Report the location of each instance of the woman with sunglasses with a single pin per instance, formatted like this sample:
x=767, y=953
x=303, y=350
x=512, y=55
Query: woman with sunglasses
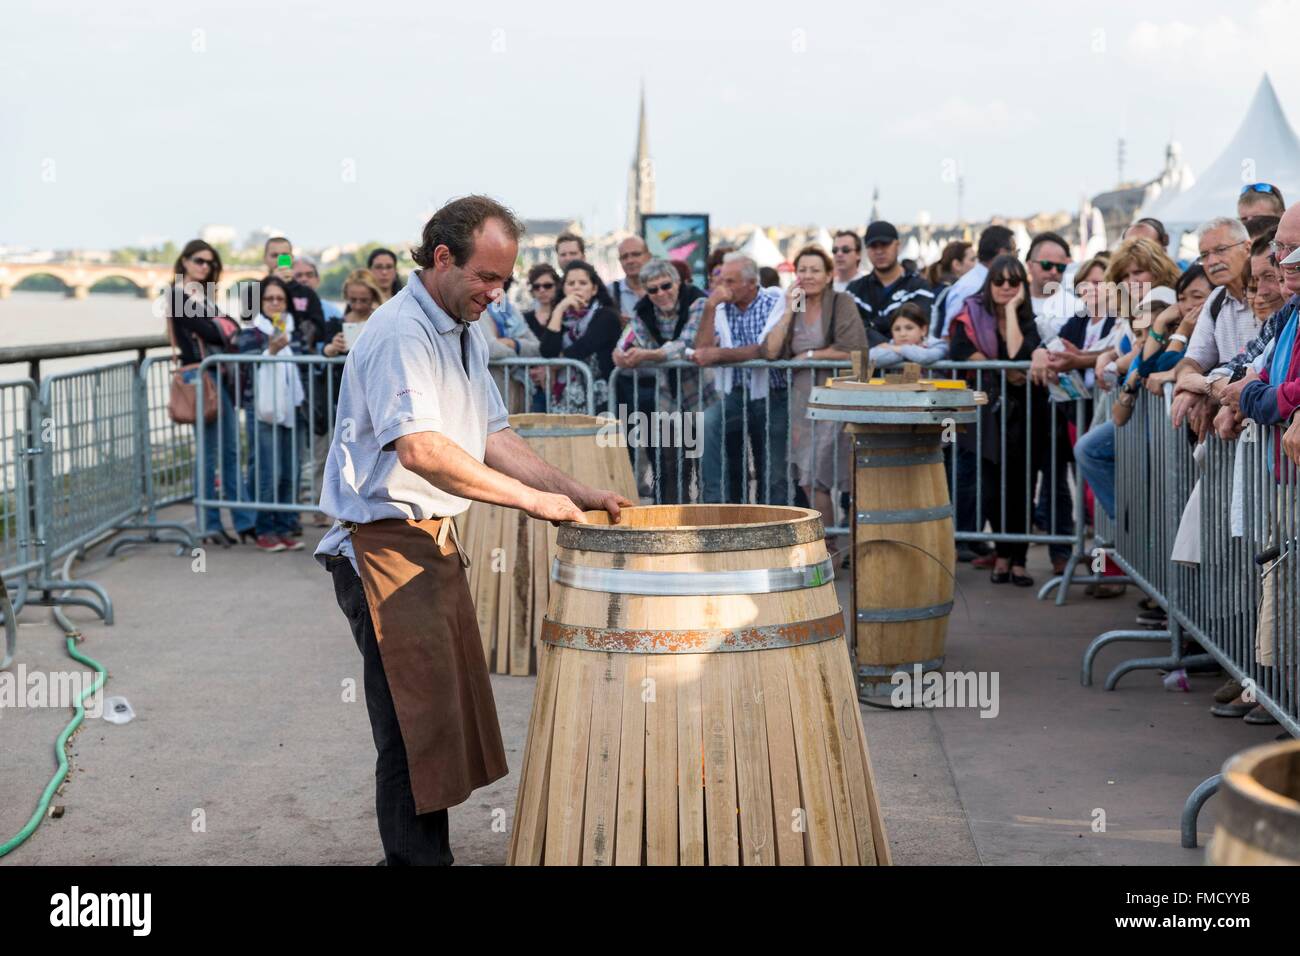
x=997, y=324
x=584, y=325
x=198, y=328
x=544, y=285
x=382, y=264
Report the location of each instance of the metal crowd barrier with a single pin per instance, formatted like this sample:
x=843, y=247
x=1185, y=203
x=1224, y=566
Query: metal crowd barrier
x=1247, y=569
x=689, y=402
x=296, y=451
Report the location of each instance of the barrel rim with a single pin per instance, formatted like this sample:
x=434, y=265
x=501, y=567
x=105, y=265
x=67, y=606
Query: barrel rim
x=622, y=640
x=804, y=526
x=1254, y=814
x=542, y=423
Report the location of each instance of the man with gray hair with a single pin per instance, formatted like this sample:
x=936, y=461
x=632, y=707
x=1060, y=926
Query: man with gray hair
x=1226, y=323
x=737, y=317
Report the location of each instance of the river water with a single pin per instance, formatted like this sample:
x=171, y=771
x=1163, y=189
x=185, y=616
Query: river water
x=37, y=318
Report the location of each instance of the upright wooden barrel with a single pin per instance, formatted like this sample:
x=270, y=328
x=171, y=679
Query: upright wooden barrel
x=694, y=702
x=1258, y=811
x=510, y=553
x=904, y=554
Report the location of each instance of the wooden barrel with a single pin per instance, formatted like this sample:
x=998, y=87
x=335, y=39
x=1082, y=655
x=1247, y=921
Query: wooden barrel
x=1258, y=811
x=694, y=702
x=904, y=555
x=510, y=553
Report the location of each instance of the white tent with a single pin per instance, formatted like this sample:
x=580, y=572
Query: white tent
x=762, y=249
x=824, y=239
x=1265, y=149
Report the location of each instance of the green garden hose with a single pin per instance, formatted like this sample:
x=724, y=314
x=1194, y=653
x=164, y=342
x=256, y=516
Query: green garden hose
x=60, y=745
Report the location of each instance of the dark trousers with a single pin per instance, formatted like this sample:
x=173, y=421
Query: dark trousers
x=1017, y=502
x=409, y=839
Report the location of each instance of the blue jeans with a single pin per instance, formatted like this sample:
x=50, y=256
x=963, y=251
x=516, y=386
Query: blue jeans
x=725, y=426
x=1095, y=453
x=221, y=443
x=276, y=463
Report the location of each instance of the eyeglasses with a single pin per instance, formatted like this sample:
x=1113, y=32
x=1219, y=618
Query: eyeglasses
x=656, y=289
x=1012, y=281
x=1220, y=250
x=1043, y=264
x=1267, y=188
x=846, y=250
x=1281, y=250
x=540, y=286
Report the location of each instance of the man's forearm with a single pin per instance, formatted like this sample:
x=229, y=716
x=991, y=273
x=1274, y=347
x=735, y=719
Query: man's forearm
x=746, y=353
x=445, y=465
x=509, y=454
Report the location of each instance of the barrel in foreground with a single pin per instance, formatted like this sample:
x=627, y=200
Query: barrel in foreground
x=695, y=703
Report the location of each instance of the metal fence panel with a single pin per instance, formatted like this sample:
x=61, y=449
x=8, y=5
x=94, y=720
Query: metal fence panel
x=17, y=477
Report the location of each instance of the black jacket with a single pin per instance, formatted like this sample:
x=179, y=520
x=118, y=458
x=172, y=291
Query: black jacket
x=599, y=340
x=877, y=302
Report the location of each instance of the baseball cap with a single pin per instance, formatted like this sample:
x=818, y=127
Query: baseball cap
x=880, y=231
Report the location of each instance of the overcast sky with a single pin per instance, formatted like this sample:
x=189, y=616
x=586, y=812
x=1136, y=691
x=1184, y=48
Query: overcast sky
x=347, y=121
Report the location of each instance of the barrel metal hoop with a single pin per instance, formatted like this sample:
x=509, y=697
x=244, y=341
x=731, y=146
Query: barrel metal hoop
x=900, y=461
x=617, y=540
x=690, y=583
x=938, y=416
x=576, y=431
x=892, y=614
x=907, y=667
x=863, y=440
x=905, y=515
x=954, y=398
x=693, y=641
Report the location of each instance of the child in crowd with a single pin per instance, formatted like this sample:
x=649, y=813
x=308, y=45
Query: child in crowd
x=911, y=340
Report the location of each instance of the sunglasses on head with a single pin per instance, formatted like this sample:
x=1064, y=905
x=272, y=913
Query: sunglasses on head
x=1267, y=188
x=1012, y=281
x=656, y=289
x=1049, y=266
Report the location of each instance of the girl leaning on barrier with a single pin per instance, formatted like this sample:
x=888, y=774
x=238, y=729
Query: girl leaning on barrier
x=198, y=328
x=997, y=324
x=819, y=323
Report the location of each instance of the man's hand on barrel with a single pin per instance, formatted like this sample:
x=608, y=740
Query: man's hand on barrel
x=546, y=506
x=597, y=499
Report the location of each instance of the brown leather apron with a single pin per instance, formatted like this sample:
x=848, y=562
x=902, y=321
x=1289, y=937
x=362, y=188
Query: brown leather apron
x=414, y=578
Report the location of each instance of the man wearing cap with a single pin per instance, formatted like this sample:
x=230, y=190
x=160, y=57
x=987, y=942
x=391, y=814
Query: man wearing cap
x=420, y=430
x=888, y=285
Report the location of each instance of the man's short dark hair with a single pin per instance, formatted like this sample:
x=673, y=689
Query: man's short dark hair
x=455, y=224
x=571, y=237
x=993, y=241
x=266, y=246
x=1256, y=226
x=1043, y=237
x=857, y=240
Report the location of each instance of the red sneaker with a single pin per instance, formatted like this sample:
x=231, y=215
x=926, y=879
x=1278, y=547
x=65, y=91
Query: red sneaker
x=269, y=544
x=290, y=544
x=985, y=561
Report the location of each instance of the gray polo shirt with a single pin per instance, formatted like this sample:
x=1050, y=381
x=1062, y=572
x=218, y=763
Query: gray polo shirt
x=404, y=375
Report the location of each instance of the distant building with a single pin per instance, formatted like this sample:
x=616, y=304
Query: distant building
x=219, y=235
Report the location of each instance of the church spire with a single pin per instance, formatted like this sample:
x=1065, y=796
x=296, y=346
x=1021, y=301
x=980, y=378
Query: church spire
x=640, y=178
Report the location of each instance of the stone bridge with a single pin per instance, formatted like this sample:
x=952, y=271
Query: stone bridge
x=80, y=277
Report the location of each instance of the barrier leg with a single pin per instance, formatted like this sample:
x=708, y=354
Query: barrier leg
x=104, y=606
x=1192, y=808
x=1111, y=637
x=185, y=540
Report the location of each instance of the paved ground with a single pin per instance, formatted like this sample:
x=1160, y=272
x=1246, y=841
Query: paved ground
x=237, y=676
